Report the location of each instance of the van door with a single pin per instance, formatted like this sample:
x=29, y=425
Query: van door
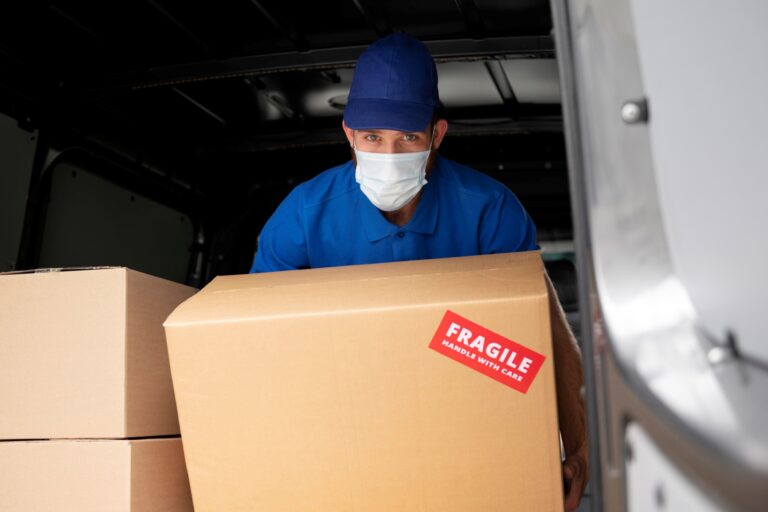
x=664, y=112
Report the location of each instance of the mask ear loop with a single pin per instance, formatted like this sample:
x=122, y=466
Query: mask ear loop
x=431, y=141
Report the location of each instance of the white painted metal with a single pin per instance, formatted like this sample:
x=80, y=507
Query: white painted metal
x=704, y=72
x=654, y=483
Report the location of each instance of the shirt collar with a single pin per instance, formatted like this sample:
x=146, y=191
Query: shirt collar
x=424, y=219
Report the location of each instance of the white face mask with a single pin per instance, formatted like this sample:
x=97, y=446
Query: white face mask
x=390, y=180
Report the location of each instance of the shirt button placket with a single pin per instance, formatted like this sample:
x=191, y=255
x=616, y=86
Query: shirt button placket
x=397, y=245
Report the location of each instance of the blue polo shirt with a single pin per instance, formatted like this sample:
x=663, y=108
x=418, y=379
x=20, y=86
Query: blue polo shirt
x=327, y=221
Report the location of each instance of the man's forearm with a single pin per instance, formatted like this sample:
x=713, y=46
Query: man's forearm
x=569, y=380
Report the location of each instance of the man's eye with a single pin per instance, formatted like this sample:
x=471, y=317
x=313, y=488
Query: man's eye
x=409, y=137
x=371, y=138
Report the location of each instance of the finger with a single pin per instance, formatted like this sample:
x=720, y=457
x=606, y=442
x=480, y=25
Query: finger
x=574, y=498
x=575, y=490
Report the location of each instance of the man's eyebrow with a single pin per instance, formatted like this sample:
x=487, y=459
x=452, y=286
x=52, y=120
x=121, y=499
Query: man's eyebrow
x=379, y=132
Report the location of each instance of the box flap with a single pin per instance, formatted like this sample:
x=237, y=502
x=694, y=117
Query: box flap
x=61, y=269
x=150, y=408
x=307, y=292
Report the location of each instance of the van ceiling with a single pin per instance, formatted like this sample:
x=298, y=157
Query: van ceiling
x=246, y=74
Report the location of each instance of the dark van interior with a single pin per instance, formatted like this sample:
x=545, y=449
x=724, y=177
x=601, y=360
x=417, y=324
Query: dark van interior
x=160, y=135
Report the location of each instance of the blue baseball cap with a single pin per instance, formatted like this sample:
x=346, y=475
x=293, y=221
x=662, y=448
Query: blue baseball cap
x=394, y=86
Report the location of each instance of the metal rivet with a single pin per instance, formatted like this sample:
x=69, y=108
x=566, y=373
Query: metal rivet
x=634, y=111
x=717, y=355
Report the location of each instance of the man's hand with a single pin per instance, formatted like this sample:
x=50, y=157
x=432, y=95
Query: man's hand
x=575, y=479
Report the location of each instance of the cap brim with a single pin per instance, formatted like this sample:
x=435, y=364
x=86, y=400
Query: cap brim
x=372, y=114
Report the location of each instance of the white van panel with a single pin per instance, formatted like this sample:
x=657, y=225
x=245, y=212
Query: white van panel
x=703, y=66
x=654, y=483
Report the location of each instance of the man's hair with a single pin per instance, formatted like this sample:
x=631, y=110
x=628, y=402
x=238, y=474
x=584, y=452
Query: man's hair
x=438, y=114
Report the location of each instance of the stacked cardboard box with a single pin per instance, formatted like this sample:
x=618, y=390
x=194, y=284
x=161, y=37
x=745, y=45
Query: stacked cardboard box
x=87, y=414
x=414, y=386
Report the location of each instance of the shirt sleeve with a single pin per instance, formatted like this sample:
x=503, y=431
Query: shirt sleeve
x=282, y=243
x=506, y=226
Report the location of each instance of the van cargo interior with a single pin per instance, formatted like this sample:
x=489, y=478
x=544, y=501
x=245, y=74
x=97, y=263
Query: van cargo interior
x=162, y=134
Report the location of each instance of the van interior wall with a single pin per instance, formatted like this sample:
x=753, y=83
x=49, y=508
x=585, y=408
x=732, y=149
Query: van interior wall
x=17, y=151
x=92, y=221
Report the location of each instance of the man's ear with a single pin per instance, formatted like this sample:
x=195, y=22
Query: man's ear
x=441, y=128
x=350, y=133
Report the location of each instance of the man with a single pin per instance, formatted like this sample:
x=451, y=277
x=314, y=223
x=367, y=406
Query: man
x=398, y=200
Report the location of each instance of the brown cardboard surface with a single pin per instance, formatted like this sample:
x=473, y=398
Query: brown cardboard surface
x=340, y=290
x=83, y=354
x=150, y=407
x=93, y=476
x=316, y=390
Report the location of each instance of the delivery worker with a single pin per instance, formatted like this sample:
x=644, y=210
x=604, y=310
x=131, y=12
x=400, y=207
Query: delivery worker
x=397, y=200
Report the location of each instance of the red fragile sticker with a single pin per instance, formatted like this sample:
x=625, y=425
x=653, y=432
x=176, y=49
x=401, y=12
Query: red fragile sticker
x=487, y=352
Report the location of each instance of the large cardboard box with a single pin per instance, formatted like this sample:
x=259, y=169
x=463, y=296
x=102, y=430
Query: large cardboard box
x=83, y=354
x=416, y=386
x=145, y=475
